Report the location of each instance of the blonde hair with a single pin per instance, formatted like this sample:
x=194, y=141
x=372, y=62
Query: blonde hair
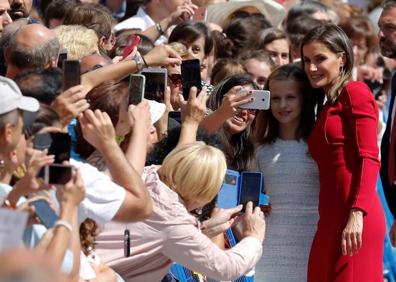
x=182, y=50
x=78, y=40
x=195, y=171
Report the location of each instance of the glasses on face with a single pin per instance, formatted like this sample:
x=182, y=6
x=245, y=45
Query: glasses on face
x=175, y=79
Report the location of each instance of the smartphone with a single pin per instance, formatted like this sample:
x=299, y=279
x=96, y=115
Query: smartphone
x=44, y=212
x=58, y=174
x=200, y=14
x=229, y=191
x=156, y=83
x=62, y=56
x=57, y=143
x=70, y=74
x=137, y=83
x=132, y=43
x=191, y=76
x=250, y=188
x=261, y=100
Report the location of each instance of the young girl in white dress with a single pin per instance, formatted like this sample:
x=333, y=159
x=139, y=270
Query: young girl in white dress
x=290, y=176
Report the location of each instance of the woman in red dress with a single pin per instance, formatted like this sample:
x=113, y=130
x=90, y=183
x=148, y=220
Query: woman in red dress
x=348, y=244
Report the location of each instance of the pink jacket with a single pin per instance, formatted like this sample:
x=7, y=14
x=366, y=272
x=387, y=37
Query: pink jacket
x=171, y=234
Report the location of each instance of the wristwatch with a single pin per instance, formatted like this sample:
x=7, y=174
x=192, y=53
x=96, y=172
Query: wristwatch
x=139, y=61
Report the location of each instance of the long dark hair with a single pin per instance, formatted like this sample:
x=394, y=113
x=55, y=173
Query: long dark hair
x=266, y=128
x=239, y=148
x=191, y=31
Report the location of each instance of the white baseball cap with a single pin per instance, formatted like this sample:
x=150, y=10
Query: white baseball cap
x=11, y=98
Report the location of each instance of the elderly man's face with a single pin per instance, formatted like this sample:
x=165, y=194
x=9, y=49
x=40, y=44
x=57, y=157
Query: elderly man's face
x=5, y=18
x=20, y=8
x=387, y=32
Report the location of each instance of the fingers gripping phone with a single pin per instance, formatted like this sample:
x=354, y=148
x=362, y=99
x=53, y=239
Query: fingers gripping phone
x=156, y=83
x=70, y=74
x=137, y=84
x=191, y=76
x=57, y=143
x=58, y=174
x=261, y=100
x=132, y=43
x=44, y=212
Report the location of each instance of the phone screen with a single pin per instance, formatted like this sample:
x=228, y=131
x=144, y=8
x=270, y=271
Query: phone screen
x=136, y=89
x=191, y=76
x=58, y=174
x=71, y=74
x=46, y=215
x=62, y=56
x=60, y=147
x=155, y=84
x=250, y=188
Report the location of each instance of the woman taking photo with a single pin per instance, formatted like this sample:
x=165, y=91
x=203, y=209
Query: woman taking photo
x=348, y=243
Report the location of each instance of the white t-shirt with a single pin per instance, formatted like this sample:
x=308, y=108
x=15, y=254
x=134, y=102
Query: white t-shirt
x=140, y=21
x=103, y=197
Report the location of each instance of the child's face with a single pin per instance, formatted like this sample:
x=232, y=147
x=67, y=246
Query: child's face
x=286, y=102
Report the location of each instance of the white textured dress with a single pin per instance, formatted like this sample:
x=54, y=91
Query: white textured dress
x=291, y=180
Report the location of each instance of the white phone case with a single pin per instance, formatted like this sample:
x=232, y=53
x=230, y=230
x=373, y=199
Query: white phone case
x=261, y=100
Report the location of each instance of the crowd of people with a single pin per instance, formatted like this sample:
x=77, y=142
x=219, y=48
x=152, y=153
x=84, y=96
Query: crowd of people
x=141, y=186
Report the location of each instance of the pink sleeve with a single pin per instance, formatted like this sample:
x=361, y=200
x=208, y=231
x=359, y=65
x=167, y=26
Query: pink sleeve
x=187, y=245
x=362, y=113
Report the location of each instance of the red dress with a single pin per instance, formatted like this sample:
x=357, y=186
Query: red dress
x=344, y=145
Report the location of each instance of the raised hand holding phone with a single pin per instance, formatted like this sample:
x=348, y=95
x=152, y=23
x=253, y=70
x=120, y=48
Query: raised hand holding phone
x=139, y=116
x=261, y=99
x=137, y=83
x=70, y=103
x=73, y=192
x=29, y=182
x=253, y=223
x=193, y=110
x=98, y=129
x=232, y=100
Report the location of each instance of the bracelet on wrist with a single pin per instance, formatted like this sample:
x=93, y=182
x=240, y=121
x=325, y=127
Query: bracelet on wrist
x=144, y=61
x=138, y=61
x=65, y=224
